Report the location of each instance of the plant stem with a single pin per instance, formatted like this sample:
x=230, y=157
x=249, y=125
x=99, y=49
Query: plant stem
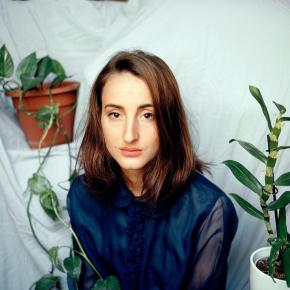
x=267, y=223
x=59, y=126
x=30, y=223
x=46, y=130
x=83, y=254
x=47, y=153
x=269, y=188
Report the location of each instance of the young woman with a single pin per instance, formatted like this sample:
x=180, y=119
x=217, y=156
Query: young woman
x=142, y=209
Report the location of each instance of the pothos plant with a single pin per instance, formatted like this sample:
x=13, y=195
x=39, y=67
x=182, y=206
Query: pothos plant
x=268, y=190
x=32, y=73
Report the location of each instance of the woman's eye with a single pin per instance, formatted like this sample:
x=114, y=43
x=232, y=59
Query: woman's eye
x=148, y=116
x=114, y=115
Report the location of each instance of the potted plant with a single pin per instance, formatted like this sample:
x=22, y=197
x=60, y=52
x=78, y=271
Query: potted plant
x=32, y=73
x=274, y=260
x=44, y=102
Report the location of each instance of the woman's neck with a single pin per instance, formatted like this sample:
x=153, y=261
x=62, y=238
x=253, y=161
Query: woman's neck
x=134, y=181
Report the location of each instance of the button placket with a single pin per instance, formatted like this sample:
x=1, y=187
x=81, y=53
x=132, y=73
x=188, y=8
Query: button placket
x=135, y=236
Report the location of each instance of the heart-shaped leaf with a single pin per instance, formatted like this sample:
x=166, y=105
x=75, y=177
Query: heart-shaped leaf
x=44, y=67
x=6, y=63
x=59, y=72
x=47, y=282
x=44, y=115
x=48, y=200
x=111, y=283
x=57, y=80
x=29, y=82
x=53, y=256
x=27, y=66
x=73, y=266
x=38, y=184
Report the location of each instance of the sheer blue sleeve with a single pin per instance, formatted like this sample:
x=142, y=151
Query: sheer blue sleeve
x=212, y=245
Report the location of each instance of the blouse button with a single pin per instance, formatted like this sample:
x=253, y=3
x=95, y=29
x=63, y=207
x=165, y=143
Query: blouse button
x=140, y=241
x=131, y=259
x=138, y=251
x=140, y=227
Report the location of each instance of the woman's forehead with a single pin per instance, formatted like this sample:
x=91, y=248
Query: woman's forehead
x=124, y=89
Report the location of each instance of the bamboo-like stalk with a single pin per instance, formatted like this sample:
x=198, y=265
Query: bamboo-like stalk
x=273, y=141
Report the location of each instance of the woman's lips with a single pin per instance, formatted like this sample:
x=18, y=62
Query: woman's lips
x=131, y=152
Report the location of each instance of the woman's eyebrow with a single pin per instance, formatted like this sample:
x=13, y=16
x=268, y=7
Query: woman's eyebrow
x=121, y=107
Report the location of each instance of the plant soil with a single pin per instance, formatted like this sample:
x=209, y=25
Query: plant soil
x=263, y=266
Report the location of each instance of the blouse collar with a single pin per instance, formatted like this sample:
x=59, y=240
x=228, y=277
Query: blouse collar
x=124, y=197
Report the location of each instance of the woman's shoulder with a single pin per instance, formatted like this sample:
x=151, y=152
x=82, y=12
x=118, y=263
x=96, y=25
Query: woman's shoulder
x=79, y=181
x=79, y=187
x=204, y=194
x=80, y=196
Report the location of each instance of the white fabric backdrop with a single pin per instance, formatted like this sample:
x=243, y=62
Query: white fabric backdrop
x=215, y=48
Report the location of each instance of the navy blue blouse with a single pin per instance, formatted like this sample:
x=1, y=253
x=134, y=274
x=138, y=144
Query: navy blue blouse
x=179, y=247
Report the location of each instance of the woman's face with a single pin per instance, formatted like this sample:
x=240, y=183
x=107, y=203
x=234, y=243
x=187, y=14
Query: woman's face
x=128, y=122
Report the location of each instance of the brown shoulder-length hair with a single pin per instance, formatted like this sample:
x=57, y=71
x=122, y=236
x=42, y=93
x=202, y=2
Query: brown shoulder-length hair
x=175, y=163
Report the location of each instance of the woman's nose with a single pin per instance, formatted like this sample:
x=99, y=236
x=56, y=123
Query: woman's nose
x=131, y=133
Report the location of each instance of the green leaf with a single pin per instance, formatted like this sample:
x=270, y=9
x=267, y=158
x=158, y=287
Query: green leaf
x=44, y=68
x=282, y=226
x=247, y=206
x=57, y=80
x=286, y=265
x=282, y=148
x=283, y=180
x=27, y=66
x=59, y=72
x=285, y=119
x=244, y=176
x=273, y=255
x=111, y=283
x=6, y=63
x=254, y=151
x=258, y=96
x=29, y=82
x=47, y=282
x=45, y=114
x=47, y=200
x=57, y=68
x=38, y=184
x=73, y=266
x=282, y=201
x=53, y=256
x=281, y=108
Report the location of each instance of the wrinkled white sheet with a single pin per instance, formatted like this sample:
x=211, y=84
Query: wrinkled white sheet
x=22, y=260
x=215, y=48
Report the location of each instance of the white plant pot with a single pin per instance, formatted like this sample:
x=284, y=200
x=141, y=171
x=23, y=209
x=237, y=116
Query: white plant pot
x=260, y=280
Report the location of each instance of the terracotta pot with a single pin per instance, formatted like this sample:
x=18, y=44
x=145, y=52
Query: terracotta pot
x=65, y=95
x=260, y=280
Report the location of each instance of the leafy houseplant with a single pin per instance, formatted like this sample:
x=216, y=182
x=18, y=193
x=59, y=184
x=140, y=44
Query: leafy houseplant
x=32, y=73
x=267, y=191
x=43, y=100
